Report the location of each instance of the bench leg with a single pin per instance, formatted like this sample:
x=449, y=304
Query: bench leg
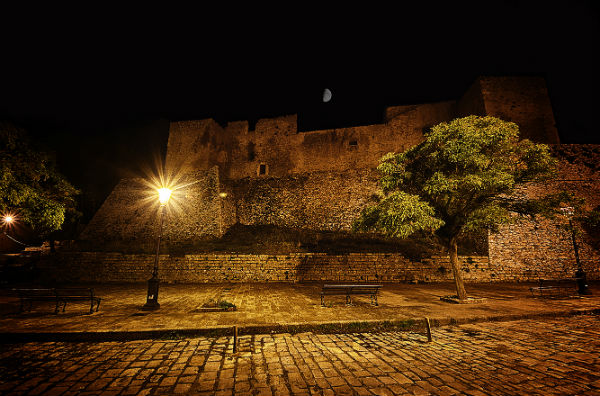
x=348, y=300
x=98, y=305
x=322, y=301
x=56, y=307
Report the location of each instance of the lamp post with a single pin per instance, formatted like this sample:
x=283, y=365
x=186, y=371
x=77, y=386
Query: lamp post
x=580, y=273
x=152, y=296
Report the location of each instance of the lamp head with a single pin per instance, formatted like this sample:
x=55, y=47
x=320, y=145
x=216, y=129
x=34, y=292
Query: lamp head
x=163, y=195
x=8, y=219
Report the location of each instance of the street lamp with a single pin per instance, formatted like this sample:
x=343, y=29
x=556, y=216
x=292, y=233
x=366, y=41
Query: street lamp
x=152, y=296
x=580, y=273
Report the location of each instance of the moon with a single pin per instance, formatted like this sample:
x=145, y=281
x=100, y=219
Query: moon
x=326, y=95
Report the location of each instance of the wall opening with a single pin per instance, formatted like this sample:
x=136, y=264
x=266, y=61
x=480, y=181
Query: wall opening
x=262, y=169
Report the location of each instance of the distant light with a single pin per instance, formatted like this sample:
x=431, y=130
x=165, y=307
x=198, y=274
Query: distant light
x=569, y=210
x=223, y=195
x=163, y=195
x=327, y=95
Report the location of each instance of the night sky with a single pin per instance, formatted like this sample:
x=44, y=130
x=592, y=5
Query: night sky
x=99, y=87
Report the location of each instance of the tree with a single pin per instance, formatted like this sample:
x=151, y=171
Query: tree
x=30, y=185
x=460, y=179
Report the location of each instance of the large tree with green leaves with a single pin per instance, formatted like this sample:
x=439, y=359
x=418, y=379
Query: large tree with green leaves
x=30, y=185
x=460, y=179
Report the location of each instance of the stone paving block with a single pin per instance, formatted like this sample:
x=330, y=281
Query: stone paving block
x=494, y=365
x=182, y=388
x=381, y=391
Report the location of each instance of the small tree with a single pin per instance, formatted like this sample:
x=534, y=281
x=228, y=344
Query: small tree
x=30, y=185
x=460, y=179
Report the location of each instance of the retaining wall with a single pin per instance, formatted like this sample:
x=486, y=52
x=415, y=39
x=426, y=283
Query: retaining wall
x=296, y=267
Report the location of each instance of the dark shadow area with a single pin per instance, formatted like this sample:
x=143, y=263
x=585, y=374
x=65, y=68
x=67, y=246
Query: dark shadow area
x=271, y=239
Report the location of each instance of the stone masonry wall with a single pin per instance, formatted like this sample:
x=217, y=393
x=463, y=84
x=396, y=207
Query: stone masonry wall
x=282, y=150
x=131, y=213
x=276, y=148
x=544, y=248
x=524, y=101
x=319, y=200
x=295, y=267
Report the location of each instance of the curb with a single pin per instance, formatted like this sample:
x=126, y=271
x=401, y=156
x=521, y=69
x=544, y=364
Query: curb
x=417, y=324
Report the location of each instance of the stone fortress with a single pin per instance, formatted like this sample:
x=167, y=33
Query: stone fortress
x=276, y=175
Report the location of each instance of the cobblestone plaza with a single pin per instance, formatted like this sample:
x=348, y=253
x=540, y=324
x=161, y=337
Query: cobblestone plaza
x=554, y=356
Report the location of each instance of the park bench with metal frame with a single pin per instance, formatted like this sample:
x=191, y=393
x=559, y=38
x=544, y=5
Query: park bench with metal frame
x=60, y=296
x=555, y=287
x=348, y=290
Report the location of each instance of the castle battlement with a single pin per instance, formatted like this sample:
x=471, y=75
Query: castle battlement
x=276, y=148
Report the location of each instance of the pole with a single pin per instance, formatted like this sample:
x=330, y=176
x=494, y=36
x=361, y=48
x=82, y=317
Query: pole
x=162, y=219
x=580, y=273
x=428, y=327
x=154, y=282
x=235, y=339
x=575, y=248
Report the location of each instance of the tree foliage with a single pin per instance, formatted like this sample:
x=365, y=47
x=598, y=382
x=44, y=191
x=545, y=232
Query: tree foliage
x=30, y=185
x=461, y=178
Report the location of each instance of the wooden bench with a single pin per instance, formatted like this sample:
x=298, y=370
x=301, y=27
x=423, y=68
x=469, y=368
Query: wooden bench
x=555, y=287
x=60, y=296
x=31, y=295
x=348, y=290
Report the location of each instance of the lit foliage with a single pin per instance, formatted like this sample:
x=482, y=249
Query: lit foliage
x=30, y=185
x=461, y=178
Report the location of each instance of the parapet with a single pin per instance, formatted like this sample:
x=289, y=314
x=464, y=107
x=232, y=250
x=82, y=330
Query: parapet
x=285, y=125
x=275, y=147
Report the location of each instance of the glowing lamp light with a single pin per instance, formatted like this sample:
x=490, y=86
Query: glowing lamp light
x=8, y=219
x=163, y=195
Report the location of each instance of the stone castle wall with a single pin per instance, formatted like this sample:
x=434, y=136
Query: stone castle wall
x=277, y=145
x=524, y=101
x=544, y=247
x=130, y=214
x=319, y=200
x=321, y=180
x=282, y=150
x=294, y=267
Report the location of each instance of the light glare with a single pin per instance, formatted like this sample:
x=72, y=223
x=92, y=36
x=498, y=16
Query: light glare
x=163, y=195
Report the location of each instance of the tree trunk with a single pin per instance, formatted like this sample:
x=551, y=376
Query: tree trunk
x=458, y=280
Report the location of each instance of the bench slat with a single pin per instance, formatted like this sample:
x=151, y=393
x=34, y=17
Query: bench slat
x=348, y=290
x=59, y=295
x=554, y=287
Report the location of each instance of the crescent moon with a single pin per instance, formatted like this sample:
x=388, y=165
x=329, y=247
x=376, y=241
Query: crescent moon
x=326, y=95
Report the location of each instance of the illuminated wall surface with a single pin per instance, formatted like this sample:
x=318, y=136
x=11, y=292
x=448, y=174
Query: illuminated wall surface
x=321, y=180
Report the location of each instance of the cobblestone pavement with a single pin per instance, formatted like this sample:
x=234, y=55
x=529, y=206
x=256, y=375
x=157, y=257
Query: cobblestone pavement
x=527, y=357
